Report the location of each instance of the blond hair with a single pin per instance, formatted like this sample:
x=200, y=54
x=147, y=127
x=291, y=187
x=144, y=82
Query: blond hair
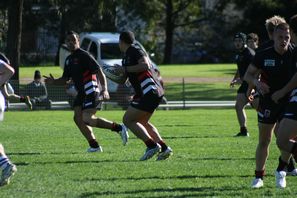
x=272, y=22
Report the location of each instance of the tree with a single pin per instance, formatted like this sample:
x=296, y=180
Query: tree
x=94, y=15
x=167, y=16
x=252, y=22
x=14, y=34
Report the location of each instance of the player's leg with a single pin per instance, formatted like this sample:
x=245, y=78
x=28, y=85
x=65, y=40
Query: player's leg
x=90, y=118
x=280, y=135
x=85, y=130
x=287, y=132
x=166, y=151
x=241, y=101
x=262, y=151
x=9, y=93
x=131, y=119
x=7, y=168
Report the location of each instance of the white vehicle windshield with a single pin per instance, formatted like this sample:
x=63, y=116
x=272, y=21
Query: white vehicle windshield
x=110, y=51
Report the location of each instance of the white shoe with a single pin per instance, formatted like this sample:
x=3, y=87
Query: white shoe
x=7, y=173
x=124, y=134
x=257, y=183
x=149, y=153
x=92, y=150
x=293, y=172
x=165, y=154
x=280, y=177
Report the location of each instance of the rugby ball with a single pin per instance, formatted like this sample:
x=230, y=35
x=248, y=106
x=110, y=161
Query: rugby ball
x=112, y=73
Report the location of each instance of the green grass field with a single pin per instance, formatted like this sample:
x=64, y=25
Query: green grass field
x=207, y=162
x=204, y=70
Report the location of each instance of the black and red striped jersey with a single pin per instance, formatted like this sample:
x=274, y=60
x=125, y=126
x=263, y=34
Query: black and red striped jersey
x=276, y=69
x=145, y=81
x=82, y=68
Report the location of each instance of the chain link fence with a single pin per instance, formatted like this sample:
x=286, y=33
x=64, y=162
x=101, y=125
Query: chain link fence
x=179, y=93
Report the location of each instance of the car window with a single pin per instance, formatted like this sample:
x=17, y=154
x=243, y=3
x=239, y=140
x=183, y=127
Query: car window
x=85, y=44
x=110, y=51
x=94, y=50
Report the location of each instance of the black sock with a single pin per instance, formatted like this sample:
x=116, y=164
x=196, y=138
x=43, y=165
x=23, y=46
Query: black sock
x=150, y=143
x=93, y=143
x=243, y=129
x=281, y=165
x=116, y=127
x=163, y=145
x=260, y=174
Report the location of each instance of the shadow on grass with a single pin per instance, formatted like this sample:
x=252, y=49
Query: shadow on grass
x=176, y=192
x=181, y=177
x=198, y=137
x=221, y=159
x=25, y=153
x=75, y=162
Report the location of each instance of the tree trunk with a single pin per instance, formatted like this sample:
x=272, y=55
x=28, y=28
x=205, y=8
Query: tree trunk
x=14, y=35
x=61, y=36
x=168, y=32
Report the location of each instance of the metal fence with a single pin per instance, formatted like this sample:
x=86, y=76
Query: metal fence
x=180, y=93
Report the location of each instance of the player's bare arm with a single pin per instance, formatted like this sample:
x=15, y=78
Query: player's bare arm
x=6, y=72
x=5, y=91
x=102, y=80
x=236, y=79
x=287, y=88
x=251, y=77
x=52, y=81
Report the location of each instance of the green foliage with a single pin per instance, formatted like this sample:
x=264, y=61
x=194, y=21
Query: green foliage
x=49, y=152
x=265, y=9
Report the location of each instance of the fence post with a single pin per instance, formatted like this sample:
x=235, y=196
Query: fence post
x=184, y=94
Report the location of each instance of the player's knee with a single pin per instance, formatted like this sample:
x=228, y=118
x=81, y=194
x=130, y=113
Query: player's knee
x=126, y=120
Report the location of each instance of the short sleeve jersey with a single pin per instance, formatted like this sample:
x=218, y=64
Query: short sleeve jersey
x=142, y=82
x=276, y=69
x=82, y=68
x=243, y=59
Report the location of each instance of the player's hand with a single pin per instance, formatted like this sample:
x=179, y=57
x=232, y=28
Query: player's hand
x=105, y=95
x=277, y=95
x=49, y=79
x=263, y=88
x=250, y=95
x=235, y=81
